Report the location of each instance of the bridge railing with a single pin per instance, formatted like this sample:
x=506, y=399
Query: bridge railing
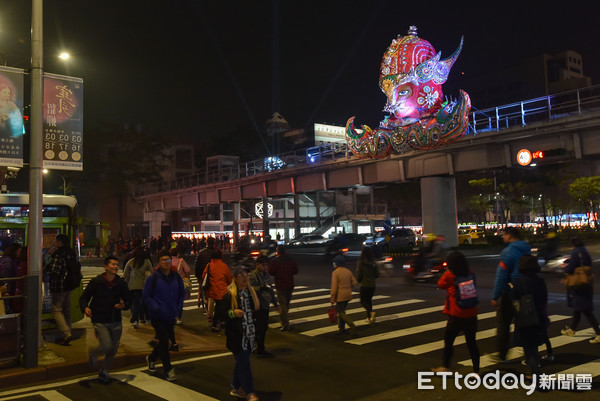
x=520, y=114
x=547, y=108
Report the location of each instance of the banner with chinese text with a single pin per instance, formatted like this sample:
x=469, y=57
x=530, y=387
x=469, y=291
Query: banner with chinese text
x=63, y=122
x=11, y=116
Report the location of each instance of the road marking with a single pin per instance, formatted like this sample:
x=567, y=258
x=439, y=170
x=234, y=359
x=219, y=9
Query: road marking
x=321, y=306
x=516, y=352
x=323, y=315
x=36, y=389
x=481, y=335
x=592, y=368
x=51, y=395
x=408, y=331
x=164, y=389
x=385, y=318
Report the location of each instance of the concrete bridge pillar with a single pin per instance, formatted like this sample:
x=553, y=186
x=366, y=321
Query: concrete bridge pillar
x=438, y=204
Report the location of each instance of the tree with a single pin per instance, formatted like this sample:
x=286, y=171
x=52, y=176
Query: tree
x=586, y=190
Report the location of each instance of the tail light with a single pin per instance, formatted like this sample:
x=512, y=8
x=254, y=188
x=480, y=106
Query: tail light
x=255, y=253
x=388, y=259
x=344, y=250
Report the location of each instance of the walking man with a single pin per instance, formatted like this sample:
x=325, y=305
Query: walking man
x=261, y=282
x=64, y=271
x=283, y=268
x=102, y=301
x=163, y=297
x=506, y=273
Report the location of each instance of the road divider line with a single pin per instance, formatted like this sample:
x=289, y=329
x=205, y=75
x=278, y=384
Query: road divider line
x=592, y=368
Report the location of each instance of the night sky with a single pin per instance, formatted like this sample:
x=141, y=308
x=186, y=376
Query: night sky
x=203, y=68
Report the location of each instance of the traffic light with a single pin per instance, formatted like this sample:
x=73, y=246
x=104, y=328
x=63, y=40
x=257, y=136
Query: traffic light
x=545, y=154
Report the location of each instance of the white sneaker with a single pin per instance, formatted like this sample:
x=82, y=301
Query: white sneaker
x=595, y=340
x=567, y=331
x=171, y=376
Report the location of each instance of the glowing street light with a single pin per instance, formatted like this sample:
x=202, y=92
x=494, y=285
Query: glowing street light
x=46, y=171
x=64, y=56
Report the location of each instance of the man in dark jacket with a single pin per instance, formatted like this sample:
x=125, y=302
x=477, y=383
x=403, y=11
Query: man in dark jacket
x=506, y=273
x=283, y=268
x=102, y=301
x=163, y=297
x=64, y=271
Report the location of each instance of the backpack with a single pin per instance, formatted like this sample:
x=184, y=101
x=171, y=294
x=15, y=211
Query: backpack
x=525, y=311
x=73, y=275
x=466, y=293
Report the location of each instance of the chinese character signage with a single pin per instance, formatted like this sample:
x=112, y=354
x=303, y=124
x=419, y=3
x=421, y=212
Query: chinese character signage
x=63, y=122
x=11, y=117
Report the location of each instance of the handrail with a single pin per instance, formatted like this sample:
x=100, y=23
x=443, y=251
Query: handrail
x=494, y=119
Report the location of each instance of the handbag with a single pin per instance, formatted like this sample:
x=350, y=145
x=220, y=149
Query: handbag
x=332, y=314
x=581, y=277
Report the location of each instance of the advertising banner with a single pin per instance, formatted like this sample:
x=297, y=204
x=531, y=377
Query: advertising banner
x=63, y=122
x=11, y=116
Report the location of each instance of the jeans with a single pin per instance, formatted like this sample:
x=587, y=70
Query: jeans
x=242, y=373
x=453, y=328
x=137, y=306
x=366, y=299
x=61, y=311
x=109, y=336
x=163, y=331
x=504, y=317
x=284, y=297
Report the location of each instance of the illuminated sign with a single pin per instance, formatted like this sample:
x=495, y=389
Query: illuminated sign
x=524, y=157
x=259, y=209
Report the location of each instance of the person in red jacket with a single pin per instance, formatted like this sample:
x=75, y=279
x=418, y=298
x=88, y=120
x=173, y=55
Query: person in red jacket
x=283, y=268
x=461, y=298
x=220, y=277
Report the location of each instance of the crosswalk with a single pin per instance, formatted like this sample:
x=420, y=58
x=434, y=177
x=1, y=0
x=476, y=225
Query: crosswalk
x=415, y=327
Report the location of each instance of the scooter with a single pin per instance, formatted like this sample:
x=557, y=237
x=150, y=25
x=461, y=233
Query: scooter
x=415, y=272
x=550, y=264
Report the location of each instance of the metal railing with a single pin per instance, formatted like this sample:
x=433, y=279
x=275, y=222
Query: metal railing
x=542, y=109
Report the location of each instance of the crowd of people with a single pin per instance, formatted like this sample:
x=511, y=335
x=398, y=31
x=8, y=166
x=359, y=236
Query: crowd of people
x=238, y=298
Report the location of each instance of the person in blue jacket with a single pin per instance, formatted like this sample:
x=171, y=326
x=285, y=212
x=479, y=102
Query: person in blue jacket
x=163, y=297
x=506, y=273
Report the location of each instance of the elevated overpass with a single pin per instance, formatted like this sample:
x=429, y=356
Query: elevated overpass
x=567, y=124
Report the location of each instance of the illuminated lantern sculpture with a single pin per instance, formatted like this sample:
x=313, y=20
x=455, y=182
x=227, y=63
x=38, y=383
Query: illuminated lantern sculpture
x=411, y=77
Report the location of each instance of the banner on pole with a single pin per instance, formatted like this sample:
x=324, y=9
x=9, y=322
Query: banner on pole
x=11, y=116
x=63, y=122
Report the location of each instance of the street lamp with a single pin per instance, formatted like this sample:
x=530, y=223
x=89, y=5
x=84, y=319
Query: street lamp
x=46, y=171
x=64, y=56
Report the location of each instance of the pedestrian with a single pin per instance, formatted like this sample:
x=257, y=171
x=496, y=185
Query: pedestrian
x=533, y=333
x=220, y=278
x=9, y=268
x=461, y=308
x=163, y=297
x=241, y=303
x=135, y=274
x=580, y=298
x=202, y=260
x=342, y=281
x=64, y=271
x=102, y=301
x=261, y=282
x=506, y=272
x=182, y=268
x=283, y=268
x=366, y=273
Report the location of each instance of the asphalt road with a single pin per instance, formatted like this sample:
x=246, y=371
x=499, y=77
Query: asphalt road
x=381, y=362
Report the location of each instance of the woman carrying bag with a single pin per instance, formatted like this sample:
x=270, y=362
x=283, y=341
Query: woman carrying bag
x=580, y=298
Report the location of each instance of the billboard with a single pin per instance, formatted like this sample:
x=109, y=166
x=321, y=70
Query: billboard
x=63, y=122
x=11, y=116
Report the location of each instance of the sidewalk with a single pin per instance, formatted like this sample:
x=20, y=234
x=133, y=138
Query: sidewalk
x=57, y=361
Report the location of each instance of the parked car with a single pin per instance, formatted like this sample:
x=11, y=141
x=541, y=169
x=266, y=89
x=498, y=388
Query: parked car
x=467, y=235
x=308, y=239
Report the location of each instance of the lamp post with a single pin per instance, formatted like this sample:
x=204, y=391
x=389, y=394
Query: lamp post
x=46, y=171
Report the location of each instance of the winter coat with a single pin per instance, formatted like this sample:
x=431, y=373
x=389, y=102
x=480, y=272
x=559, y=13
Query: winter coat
x=366, y=273
x=536, y=286
x=582, y=298
x=220, y=277
x=104, y=296
x=508, y=268
x=282, y=269
x=163, y=295
x=451, y=308
x=135, y=276
x=342, y=281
